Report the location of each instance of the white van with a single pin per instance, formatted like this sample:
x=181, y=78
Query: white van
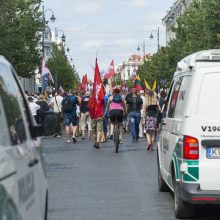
x=23, y=185
x=189, y=143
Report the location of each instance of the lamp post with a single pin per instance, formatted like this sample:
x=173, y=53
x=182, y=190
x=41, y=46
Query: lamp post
x=138, y=49
x=158, y=37
x=44, y=22
x=63, y=37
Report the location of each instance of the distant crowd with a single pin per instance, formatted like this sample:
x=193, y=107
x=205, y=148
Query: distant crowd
x=138, y=112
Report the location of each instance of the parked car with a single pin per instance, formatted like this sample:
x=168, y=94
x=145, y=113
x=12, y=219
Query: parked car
x=23, y=185
x=189, y=143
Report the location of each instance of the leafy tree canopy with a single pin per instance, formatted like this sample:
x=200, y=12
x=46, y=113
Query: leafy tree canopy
x=19, y=25
x=197, y=29
x=62, y=70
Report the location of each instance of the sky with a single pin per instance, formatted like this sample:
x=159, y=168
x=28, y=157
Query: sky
x=114, y=28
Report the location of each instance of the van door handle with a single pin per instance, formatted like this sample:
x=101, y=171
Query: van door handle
x=164, y=123
x=33, y=162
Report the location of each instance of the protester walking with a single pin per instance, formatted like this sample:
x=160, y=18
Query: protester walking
x=56, y=106
x=85, y=117
x=33, y=107
x=135, y=104
x=44, y=107
x=161, y=105
x=150, y=113
x=96, y=107
x=69, y=107
x=142, y=123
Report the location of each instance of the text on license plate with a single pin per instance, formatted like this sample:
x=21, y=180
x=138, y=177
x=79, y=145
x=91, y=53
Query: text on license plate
x=213, y=152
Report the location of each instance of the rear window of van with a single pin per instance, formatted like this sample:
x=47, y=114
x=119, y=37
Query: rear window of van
x=209, y=98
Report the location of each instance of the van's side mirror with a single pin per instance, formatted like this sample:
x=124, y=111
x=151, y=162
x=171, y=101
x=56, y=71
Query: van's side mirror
x=50, y=125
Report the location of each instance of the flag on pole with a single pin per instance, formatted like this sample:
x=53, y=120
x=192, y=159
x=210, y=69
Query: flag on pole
x=138, y=85
x=84, y=83
x=111, y=71
x=154, y=85
x=147, y=85
x=96, y=101
x=45, y=71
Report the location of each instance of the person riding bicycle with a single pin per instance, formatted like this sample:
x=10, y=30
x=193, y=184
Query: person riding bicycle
x=117, y=107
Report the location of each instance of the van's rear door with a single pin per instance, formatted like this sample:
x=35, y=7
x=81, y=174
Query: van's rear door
x=208, y=112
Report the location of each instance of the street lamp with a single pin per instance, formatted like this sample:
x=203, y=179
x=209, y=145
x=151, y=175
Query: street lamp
x=138, y=49
x=158, y=37
x=63, y=38
x=44, y=22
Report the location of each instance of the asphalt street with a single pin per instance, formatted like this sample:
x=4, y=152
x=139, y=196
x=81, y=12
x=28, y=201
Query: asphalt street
x=92, y=184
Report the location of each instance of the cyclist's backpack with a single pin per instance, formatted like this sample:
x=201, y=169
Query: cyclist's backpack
x=117, y=98
x=67, y=105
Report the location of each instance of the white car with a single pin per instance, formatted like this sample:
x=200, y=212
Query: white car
x=23, y=185
x=189, y=143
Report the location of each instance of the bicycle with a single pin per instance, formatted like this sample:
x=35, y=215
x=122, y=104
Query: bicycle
x=116, y=133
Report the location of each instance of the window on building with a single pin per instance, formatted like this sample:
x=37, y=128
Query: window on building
x=129, y=73
x=46, y=36
x=47, y=51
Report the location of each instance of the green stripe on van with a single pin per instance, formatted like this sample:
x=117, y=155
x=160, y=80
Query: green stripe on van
x=193, y=165
x=193, y=171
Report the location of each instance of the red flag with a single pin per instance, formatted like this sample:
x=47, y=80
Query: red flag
x=84, y=83
x=111, y=71
x=96, y=101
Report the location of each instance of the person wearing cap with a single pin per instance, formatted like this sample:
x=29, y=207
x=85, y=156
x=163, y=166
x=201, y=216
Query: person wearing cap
x=84, y=115
x=33, y=107
x=141, y=126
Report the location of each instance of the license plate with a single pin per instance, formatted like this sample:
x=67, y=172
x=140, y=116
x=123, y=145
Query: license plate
x=213, y=152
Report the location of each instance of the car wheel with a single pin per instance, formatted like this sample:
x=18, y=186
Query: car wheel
x=183, y=210
x=46, y=207
x=162, y=186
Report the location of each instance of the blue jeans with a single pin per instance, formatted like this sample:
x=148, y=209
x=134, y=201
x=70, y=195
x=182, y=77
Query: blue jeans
x=134, y=120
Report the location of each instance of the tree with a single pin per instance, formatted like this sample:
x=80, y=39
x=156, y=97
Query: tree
x=20, y=25
x=198, y=28
x=63, y=72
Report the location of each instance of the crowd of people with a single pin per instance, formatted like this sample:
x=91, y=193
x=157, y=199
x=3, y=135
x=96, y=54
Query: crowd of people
x=137, y=112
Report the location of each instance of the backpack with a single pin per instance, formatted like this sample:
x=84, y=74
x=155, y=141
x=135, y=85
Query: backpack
x=67, y=105
x=117, y=98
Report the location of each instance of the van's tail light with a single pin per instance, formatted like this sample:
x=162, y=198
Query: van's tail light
x=190, y=148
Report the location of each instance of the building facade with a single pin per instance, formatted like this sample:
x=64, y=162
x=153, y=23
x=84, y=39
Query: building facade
x=127, y=69
x=170, y=19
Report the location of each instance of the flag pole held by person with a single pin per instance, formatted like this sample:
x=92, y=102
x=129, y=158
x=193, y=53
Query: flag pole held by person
x=96, y=106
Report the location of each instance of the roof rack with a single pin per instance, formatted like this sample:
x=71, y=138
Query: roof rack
x=202, y=56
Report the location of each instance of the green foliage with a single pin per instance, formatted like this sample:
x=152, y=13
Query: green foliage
x=197, y=29
x=130, y=83
x=62, y=70
x=19, y=25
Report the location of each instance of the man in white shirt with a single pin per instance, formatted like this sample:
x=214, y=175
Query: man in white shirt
x=56, y=105
x=33, y=107
x=141, y=126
